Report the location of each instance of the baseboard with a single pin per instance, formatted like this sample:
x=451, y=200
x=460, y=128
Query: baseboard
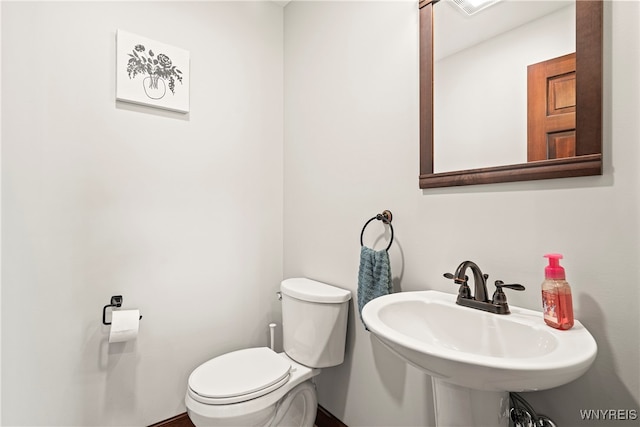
x=323, y=419
x=181, y=420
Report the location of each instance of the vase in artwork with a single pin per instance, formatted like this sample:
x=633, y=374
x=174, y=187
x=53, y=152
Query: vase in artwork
x=154, y=86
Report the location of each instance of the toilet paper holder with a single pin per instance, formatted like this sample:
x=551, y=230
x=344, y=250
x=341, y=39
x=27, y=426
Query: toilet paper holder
x=116, y=301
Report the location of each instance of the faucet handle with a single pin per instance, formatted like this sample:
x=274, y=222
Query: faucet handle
x=451, y=276
x=463, y=291
x=499, y=297
x=515, y=286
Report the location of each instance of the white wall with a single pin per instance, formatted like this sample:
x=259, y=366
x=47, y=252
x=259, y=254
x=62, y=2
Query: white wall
x=351, y=150
x=0, y=220
x=181, y=214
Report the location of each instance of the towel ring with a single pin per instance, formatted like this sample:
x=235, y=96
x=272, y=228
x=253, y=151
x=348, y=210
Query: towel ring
x=386, y=218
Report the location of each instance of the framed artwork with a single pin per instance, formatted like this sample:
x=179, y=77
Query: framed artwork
x=151, y=73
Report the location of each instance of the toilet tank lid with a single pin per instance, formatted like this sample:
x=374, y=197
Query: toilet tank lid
x=310, y=290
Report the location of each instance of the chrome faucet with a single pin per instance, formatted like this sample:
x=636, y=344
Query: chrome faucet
x=497, y=304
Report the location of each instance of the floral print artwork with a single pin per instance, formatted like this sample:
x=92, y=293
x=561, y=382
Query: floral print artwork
x=156, y=73
x=159, y=69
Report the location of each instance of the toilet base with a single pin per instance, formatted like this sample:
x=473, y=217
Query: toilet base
x=296, y=409
x=259, y=418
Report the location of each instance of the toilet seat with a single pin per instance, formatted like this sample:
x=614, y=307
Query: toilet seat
x=239, y=376
x=259, y=411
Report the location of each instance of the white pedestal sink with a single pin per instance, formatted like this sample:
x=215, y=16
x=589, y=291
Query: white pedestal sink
x=476, y=358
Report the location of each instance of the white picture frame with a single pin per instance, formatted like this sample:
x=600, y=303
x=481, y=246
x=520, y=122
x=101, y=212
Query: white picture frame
x=151, y=73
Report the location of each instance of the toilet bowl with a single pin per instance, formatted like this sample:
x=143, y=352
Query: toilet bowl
x=267, y=383
x=259, y=387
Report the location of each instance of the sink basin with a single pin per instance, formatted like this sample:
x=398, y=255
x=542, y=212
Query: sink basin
x=476, y=349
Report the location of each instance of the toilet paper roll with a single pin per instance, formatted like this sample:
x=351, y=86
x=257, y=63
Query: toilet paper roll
x=124, y=325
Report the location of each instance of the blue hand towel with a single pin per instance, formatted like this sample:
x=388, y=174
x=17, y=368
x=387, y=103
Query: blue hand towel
x=374, y=277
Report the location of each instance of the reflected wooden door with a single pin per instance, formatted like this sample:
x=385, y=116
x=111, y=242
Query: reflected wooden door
x=551, y=109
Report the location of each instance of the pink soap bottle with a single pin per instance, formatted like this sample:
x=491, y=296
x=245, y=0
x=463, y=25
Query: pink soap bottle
x=557, y=304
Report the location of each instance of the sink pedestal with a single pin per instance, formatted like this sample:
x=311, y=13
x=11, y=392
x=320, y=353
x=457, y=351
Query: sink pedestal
x=457, y=406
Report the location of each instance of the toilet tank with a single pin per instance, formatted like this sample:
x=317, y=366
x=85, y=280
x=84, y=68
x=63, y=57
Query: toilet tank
x=314, y=322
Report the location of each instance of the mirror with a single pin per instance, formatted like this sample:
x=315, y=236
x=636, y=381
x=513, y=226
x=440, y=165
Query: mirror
x=480, y=77
x=586, y=159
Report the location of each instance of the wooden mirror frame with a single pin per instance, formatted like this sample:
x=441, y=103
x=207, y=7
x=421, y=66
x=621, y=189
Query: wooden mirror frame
x=588, y=159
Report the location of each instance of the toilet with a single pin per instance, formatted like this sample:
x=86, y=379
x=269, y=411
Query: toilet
x=259, y=387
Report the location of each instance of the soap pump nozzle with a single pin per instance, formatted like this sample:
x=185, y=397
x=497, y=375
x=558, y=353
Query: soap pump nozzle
x=554, y=270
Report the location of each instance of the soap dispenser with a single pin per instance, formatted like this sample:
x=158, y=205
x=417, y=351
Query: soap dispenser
x=556, y=295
